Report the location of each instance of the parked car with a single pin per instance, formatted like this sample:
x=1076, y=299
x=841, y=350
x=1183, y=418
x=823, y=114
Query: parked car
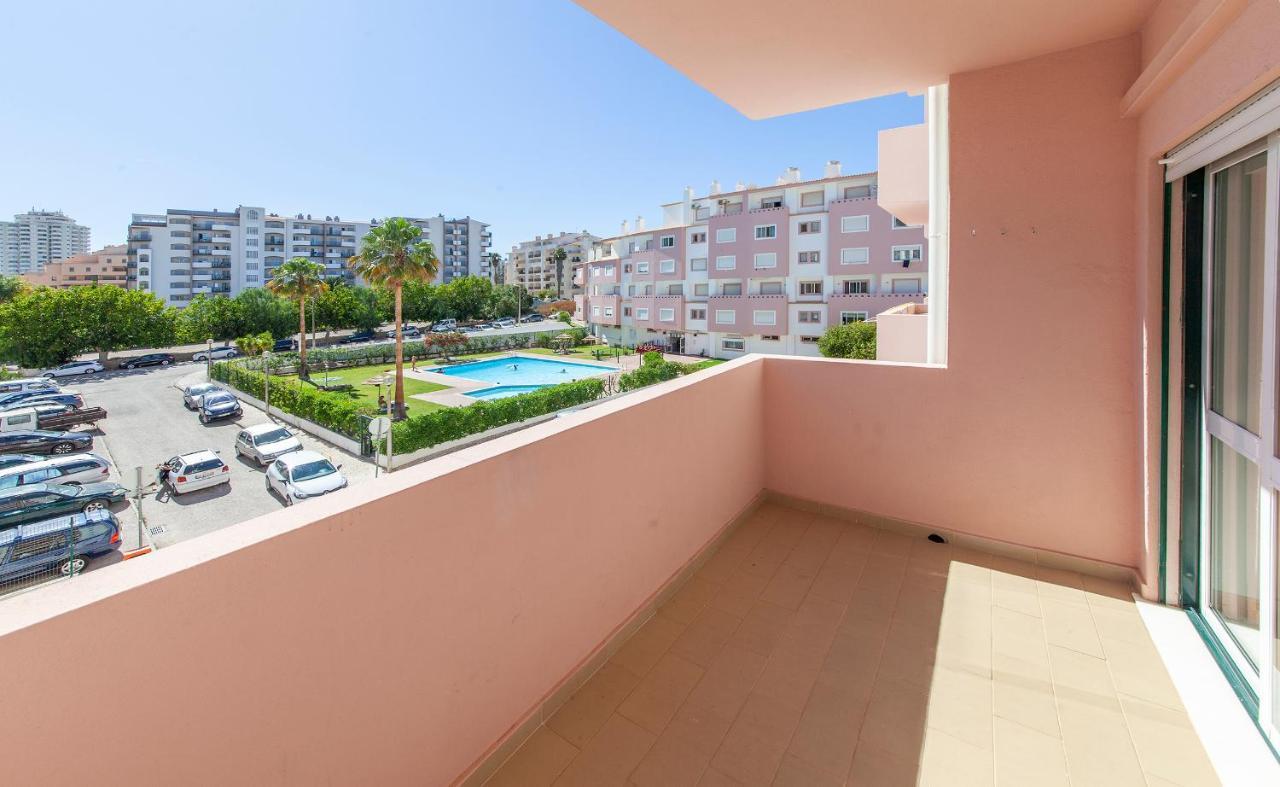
x=41, y=501
x=358, y=337
x=73, y=400
x=196, y=470
x=193, y=394
x=441, y=326
x=303, y=474
x=37, y=441
x=535, y=317
x=468, y=329
x=411, y=332
x=73, y=469
x=27, y=384
x=10, y=460
x=12, y=398
x=47, y=416
x=285, y=345
x=64, y=544
x=216, y=354
x=74, y=368
x=265, y=443
x=505, y=322
x=216, y=405
x=150, y=359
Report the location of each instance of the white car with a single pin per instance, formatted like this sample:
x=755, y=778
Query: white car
x=71, y=469
x=303, y=474
x=216, y=354
x=196, y=470
x=74, y=368
x=194, y=394
x=506, y=322
x=265, y=443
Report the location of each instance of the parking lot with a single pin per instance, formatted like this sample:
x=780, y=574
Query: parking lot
x=148, y=424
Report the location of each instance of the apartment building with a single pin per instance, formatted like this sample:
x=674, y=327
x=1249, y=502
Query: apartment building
x=755, y=269
x=107, y=265
x=38, y=237
x=184, y=253
x=533, y=264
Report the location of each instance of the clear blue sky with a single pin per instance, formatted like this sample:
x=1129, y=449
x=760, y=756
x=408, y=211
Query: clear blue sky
x=531, y=115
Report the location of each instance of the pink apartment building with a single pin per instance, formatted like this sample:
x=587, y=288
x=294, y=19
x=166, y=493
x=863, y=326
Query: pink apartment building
x=740, y=589
x=755, y=269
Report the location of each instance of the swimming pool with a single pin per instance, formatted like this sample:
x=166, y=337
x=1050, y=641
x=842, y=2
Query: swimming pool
x=521, y=372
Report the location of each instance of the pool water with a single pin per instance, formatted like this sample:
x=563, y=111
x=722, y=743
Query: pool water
x=503, y=391
x=520, y=370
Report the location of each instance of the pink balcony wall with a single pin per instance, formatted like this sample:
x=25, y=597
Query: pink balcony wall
x=903, y=178
x=743, y=307
x=604, y=302
x=879, y=239
x=871, y=304
x=746, y=246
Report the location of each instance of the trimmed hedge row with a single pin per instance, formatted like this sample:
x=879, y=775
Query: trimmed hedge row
x=656, y=369
x=440, y=426
x=385, y=352
x=301, y=399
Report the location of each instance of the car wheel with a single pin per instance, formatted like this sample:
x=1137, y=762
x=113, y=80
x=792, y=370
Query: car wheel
x=63, y=448
x=164, y=363
x=94, y=505
x=204, y=419
x=73, y=565
x=90, y=370
x=48, y=375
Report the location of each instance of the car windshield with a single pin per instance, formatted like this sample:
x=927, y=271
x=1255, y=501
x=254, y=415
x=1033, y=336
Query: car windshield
x=309, y=470
x=274, y=436
x=202, y=388
x=201, y=467
x=218, y=399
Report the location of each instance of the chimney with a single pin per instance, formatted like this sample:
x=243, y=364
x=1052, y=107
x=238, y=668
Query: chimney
x=715, y=187
x=639, y=223
x=739, y=186
x=624, y=227
x=688, y=194
x=792, y=175
x=832, y=170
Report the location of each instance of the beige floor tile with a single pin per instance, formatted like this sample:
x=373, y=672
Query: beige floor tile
x=739, y=593
x=643, y=650
x=706, y=636
x=875, y=768
x=610, y=757
x=853, y=546
x=765, y=559
x=714, y=778
x=969, y=567
x=947, y=761
x=1015, y=592
x=920, y=606
x=690, y=600
x=961, y=705
x=964, y=642
x=726, y=684
x=909, y=653
x=855, y=653
x=789, y=586
x=816, y=545
x=1060, y=585
x=1097, y=745
x=537, y=763
x=836, y=581
x=1070, y=625
x=1025, y=756
x=657, y=698
x=872, y=605
x=883, y=573
x=1120, y=622
x=797, y=773
x=830, y=725
x=790, y=674
x=895, y=719
x=762, y=628
x=702, y=728
x=1018, y=635
x=754, y=747
x=1167, y=745
x=893, y=544
x=1138, y=671
x=579, y=719
x=1023, y=693
x=672, y=762
x=723, y=563
x=1101, y=590
x=1081, y=679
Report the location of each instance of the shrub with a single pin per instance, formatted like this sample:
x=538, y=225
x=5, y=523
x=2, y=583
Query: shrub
x=440, y=426
x=296, y=397
x=852, y=340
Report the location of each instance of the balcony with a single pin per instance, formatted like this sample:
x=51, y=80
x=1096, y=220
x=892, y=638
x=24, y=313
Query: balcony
x=759, y=315
x=610, y=307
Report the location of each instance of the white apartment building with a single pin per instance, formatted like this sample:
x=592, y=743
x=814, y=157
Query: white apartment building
x=37, y=237
x=532, y=264
x=756, y=269
x=184, y=253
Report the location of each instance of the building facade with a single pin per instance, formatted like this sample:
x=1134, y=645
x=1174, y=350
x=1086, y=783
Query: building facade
x=533, y=264
x=38, y=237
x=107, y=265
x=184, y=253
x=757, y=269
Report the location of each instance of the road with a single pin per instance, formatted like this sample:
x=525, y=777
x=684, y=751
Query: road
x=147, y=424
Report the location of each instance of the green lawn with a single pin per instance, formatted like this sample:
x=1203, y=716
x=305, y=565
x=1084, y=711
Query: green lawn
x=368, y=394
x=584, y=352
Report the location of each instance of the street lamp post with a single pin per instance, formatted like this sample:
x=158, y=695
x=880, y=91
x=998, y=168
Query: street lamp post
x=266, y=382
x=208, y=358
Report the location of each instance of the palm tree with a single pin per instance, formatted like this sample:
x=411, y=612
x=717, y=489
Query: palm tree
x=495, y=266
x=299, y=279
x=558, y=256
x=392, y=254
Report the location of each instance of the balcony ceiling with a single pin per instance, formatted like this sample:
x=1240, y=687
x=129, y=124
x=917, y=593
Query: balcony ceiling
x=767, y=58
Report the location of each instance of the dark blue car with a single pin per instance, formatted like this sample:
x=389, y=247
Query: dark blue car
x=63, y=545
x=219, y=405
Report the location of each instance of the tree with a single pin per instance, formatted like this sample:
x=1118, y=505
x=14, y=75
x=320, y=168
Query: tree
x=558, y=257
x=465, y=298
x=506, y=300
x=369, y=313
x=113, y=318
x=259, y=311
x=255, y=345
x=299, y=279
x=422, y=301
x=851, y=340
x=44, y=326
x=11, y=287
x=207, y=317
x=393, y=254
x=495, y=265
x=336, y=307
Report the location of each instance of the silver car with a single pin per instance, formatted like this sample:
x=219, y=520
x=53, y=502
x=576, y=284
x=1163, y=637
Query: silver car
x=303, y=474
x=266, y=443
x=193, y=395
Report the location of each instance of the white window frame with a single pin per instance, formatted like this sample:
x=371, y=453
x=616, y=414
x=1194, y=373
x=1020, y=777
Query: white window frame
x=722, y=320
x=809, y=316
x=642, y=267
x=811, y=227
x=666, y=315
x=732, y=263
x=866, y=255
x=808, y=257
x=767, y=228
x=728, y=284
x=807, y=199
x=770, y=257
x=756, y=320
x=813, y=287
x=866, y=287
x=693, y=313
x=666, y=266
x=608, y=311
x=642, y=313
x=916, y=250
x=704, y=287
x=781, y=287
x=740, y=344
x=664, y=244
x=850, y=224
x=727, y=235
x=595, y=311
x=698, y=237
x=698, y=264
x=855, y=315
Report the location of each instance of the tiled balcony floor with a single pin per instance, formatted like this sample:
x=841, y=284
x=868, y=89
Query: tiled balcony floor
x=811, y=651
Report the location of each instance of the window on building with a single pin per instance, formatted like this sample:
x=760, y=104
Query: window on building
x=853, y=192
x=771, y=202
x=697, y=237
x=642, y=313
x=808, y=257
x=631, y=289
x=810, y=288
x=251, y=266
x=899, y=224
x=251, y=277
x=733, y=344
x=648, y=289
x=642, y=267
x=667, y=266
x=726, y=316
x=907, y=254
x=667, y=241
x=666, y=315
x=770, y=288
x=858, y=255
x=697, y=314
x=675, y=289
x=253, y=215
x=809, y=316
x=857, y=287
x=809, y=227
x=855, y=223
x=698, y=264
x=608, y=311
x=766, y=231
x=726, y=235
x=701, y=289
x=251, y=254
x=767, y=260
x=811, y=199
x=595, y=310
x=251, y=230
x=726, y=263
x=731, y=288
x=251, y=241
x=764, y=317
x=906, y=286
x=626, y=311
x=848, y=317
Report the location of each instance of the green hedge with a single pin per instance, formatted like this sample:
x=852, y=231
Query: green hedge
x=656, y=369
x=385, y=352
x=298, y=398
x=441, y=426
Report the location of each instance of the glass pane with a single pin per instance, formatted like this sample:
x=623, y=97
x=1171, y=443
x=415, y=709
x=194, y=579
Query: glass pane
x=1233, y=545
x=1236, y=327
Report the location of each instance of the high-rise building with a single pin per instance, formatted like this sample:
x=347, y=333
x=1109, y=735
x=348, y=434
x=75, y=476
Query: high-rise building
x=37, y=237
x=184, y=253
x=104, y=266
x=533, y=264
x=755, y=269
